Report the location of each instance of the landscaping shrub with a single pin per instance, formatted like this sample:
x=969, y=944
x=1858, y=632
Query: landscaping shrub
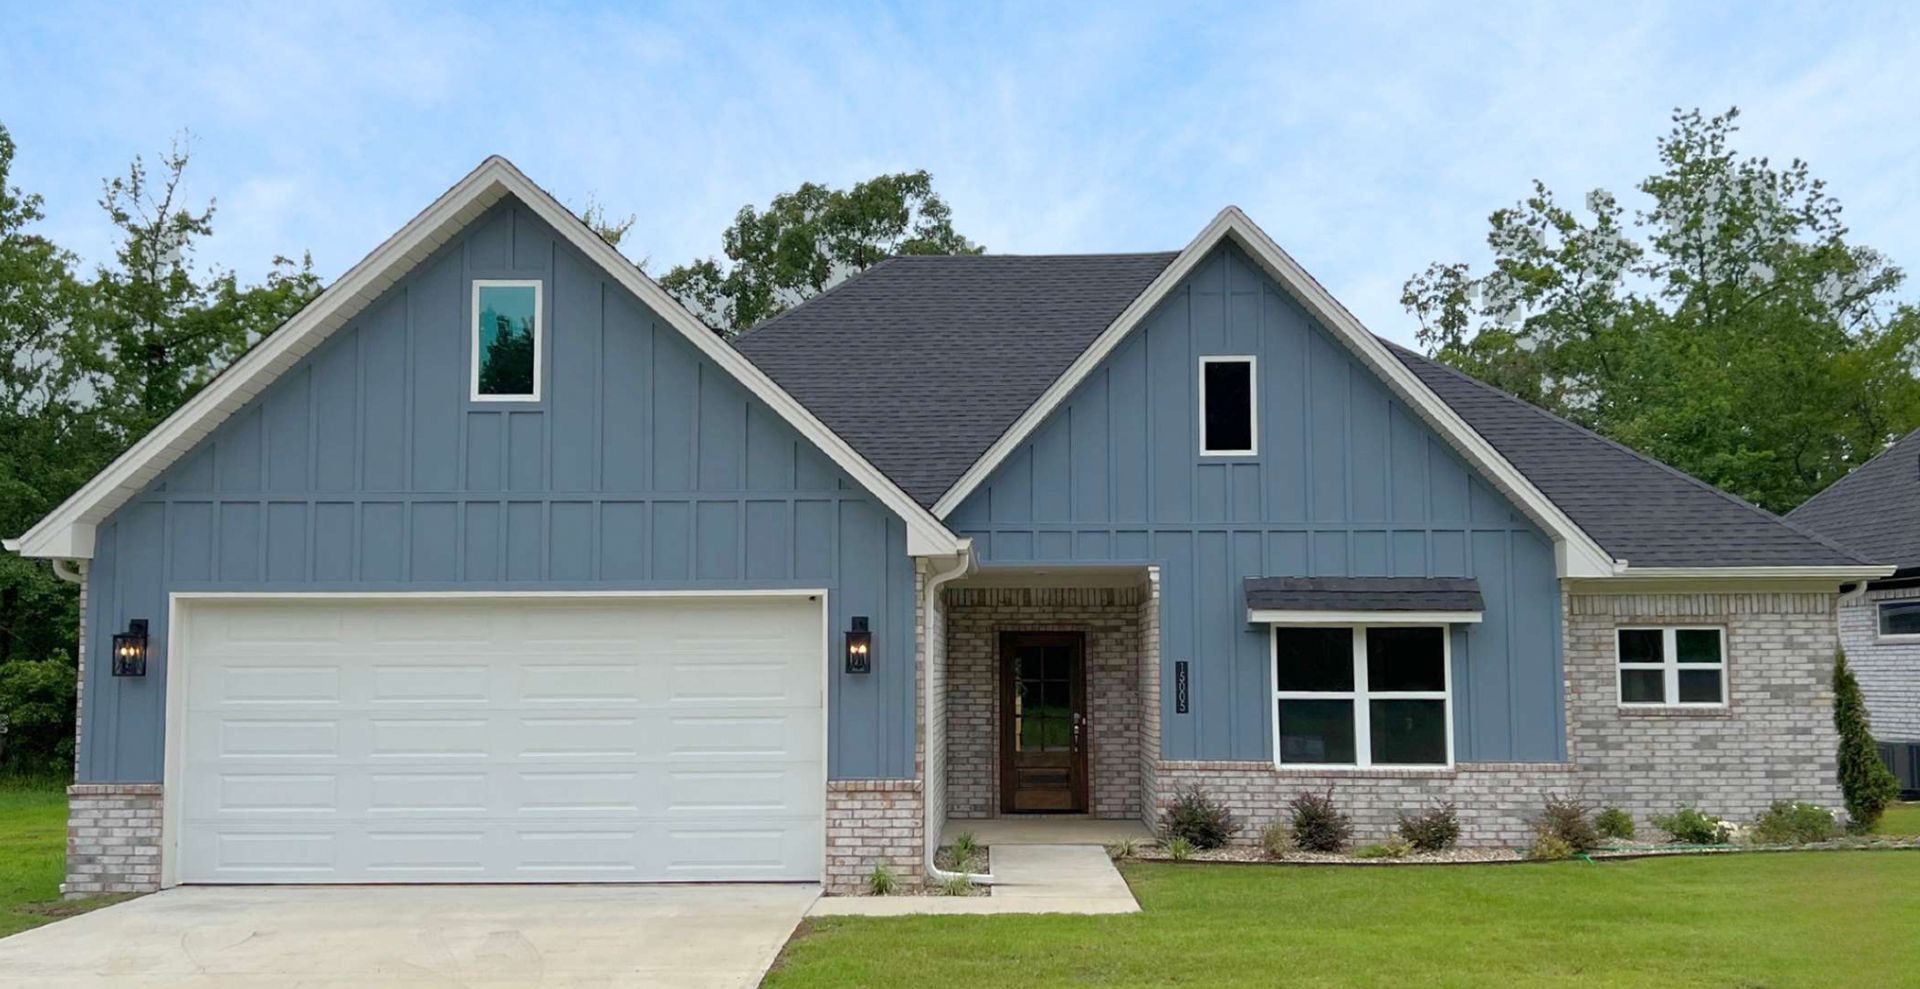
x=956, y=886
x=1395, y=847
x=1318, y=826
x=1866, y=782
x=1614, y=823
x=1432, y=830
x=1548, y=847
x=1792, y=822
x=964, y=847
x=1691, y=826
x=1276, y=840
x=1179, y=849
x=882, y=882
x=1199, y=818
x=1125, y=848
x=1569, y=821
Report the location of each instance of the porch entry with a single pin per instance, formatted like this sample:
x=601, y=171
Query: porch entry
x=1043, y=722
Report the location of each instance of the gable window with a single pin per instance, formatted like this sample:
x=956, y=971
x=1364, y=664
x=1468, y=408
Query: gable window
x=1227, y=407
x=1362, y=695
x=1673, y=667
x=1900, y=618
x=506, y=341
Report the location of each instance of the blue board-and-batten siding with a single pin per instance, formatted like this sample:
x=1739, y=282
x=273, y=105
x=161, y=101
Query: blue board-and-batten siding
x=366, y=467
x=1347, y=481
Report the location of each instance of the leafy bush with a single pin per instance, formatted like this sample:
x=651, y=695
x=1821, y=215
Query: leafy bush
x=1866, y=782
x=1435, y=829
x=1614, y=823
x=1318, y=826
x=1570, y=821
x=1179, y=849
x=1691, y=826
x=1276, y=840
x=1199, y=818
x=1548, y=847
x=1791, y=822
x=36, y=702
x=882, y=882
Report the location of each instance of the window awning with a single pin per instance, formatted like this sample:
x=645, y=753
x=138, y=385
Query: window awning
x=1363, y=600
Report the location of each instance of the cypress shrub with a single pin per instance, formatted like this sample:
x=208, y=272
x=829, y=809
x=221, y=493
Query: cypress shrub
x=1865, y=781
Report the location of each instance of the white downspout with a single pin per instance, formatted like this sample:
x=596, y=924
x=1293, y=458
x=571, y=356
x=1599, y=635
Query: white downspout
x=935, y=581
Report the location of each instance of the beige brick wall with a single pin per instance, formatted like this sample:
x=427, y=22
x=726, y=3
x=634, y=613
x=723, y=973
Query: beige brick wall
x=1111, y=619
x=113, y=838
x=872, y=823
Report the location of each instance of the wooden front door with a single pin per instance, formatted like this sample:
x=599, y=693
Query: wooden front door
x=1043, y=723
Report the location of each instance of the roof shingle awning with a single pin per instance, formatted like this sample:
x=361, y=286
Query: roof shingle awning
x=1363, y=600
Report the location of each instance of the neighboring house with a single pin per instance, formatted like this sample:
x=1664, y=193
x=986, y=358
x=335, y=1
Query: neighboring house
x=574, y=590
x=1875, y=511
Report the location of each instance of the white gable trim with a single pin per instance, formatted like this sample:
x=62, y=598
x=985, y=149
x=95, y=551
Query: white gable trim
x=68, y=531
x=1577, y=554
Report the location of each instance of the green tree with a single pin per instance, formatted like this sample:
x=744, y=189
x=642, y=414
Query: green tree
x=808, y=240
x=1865, y=781
x=1728, y=327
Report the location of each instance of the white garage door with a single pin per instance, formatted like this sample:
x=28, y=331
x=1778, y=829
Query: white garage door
x=499, y=740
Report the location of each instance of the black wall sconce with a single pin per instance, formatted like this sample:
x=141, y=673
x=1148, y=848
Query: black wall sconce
x=859, y=647
x=130, y=650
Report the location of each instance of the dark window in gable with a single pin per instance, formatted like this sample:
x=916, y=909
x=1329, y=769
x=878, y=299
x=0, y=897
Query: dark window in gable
x=1227, y=407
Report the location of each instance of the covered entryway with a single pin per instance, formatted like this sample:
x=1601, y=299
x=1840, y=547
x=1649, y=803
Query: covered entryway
x=533, y=738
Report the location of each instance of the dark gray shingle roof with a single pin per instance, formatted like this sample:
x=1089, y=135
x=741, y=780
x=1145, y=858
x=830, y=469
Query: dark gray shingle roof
x=945, y=352
x=1363, y=594
x=1874, y=511
x=1637, y=508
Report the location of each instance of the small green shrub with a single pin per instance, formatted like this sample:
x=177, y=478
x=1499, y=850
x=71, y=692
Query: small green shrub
x=1435, y=829
x=1318, y=826
x=882, y=882
x=1395, y=847
x=1792, y=822
x=1570, y=821
x=1197, y=817
x=1276, y=840
x=1549, y=847
x=1691, y=826
x=1179, y=849
x=1125, y=848
x=1614, y=823
x=956, y=886
x=964, y=847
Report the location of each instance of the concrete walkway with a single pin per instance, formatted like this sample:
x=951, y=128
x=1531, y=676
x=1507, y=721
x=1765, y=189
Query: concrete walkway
x=698, y=937
x=1027, y=879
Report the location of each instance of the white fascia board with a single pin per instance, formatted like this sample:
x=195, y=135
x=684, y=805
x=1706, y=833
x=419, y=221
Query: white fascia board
x=1576, y=553
x=1260, y=616
x=60, y=533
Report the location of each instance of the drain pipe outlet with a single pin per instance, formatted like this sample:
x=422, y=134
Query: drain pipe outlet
x=71, y=571
x=935, y=581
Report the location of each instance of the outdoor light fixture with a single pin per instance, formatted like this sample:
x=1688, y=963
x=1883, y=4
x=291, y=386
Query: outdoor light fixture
x=130, y=650
x=859, y=647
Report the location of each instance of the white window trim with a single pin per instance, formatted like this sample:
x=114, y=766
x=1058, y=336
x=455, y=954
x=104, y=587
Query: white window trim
x=1253, y=405
x=1671, y=666
x=1892, y=638
x=1360, y=696
x=539, y=338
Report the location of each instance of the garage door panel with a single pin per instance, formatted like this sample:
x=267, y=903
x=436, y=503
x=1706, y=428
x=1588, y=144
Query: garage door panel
x=516, y=760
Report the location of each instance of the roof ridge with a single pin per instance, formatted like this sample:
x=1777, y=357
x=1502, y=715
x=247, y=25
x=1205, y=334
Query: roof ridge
x=1858, y=471
x=1654, y=461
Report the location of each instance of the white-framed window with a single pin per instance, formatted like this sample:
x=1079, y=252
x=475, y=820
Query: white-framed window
x=1357, y=696
x=1900, y=620
x=507, y=338
x=1229, y=407
x=1672, y=666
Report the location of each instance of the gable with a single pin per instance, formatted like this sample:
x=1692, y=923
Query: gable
x=68, y=532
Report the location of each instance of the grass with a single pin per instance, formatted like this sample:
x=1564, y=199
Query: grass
x=1775, y=920
x=33, y=858
x=1900, y=819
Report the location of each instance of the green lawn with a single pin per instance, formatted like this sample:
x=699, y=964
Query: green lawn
x=33, y=856
x=1774, y=920
x=1899, y=819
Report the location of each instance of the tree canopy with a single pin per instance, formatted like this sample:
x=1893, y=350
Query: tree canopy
x=1727, y=326
x=809, y=239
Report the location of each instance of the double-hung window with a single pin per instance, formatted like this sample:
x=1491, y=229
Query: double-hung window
x=1361, y=695
x=1673, y=667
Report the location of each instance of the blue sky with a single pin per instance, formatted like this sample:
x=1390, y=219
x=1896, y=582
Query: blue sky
x=1368, y=139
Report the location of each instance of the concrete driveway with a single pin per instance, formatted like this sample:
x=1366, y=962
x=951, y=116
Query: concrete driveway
x=691, y=936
